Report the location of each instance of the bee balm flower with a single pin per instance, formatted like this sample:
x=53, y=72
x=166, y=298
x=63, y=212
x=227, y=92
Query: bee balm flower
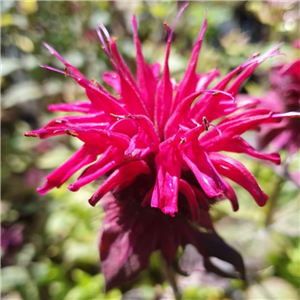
x=154, y=144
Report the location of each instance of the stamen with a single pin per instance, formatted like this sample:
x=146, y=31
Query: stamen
x=94, y=82
x=114, y=38
x=205, y=123
x=30, y=134
x=183, y=7
x=66, y=72
x=105, y=32
x=167, y=28
x=71, y=133
x=52, y=69
x=103, y=46
x=120, y=116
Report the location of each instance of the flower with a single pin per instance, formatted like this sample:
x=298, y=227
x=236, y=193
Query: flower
x=155, y=147
x=283, y=96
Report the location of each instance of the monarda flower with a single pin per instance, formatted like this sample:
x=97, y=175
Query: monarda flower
x=158, y=154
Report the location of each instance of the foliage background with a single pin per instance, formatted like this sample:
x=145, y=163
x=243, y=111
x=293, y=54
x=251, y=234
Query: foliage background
x=49, y=243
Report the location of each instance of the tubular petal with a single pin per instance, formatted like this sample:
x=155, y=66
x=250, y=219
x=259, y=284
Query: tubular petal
x=84, y=156
x=130, y=93
x=190, y=79
x=165, y=193
x=208, y=185
x=113, y=79
x=236, y=171
x=145, y=76
x=83, y=107
x=163, y=103
x=121, y=178
x=239, y=145
x=108, y=160
x=198, y=161
x=231, y=195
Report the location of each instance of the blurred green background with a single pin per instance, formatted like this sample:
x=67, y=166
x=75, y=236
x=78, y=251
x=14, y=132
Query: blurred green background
x=49, y=243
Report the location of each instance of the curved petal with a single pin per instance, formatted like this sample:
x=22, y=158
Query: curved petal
x=239, y=145
x=236, y=171
x=165, y=193
x=108, y=160
x=84, y=156
x=120, y=178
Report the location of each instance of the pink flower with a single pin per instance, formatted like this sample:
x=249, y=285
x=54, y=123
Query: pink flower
x=159, y=155
x=296, y=44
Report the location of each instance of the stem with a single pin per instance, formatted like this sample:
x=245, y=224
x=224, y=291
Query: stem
x=273, y=200
x=170, y=275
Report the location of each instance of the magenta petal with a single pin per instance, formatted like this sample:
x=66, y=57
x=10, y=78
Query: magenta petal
x=55, y=53
x=84, y=156
x=190, y=79
x=120, y=178
x=112, y=79
x=237, y=172
x=101, y=100
x=199, y=163
x=203, y=80
x=108, y=160
x=207, y=104
x=165, y=193
x=164, y=96
x=155, y=69
x=231, y=195
x=239, y=145
x=163, y=105
x=207, y=184
x=148, y=127
x=145, y=77
x=130, y=92
x=125, y=126
x=180, y=111
x=219, y=136
x=83, y=107
x=70, y=68
x=102, y=137
x=235, y=86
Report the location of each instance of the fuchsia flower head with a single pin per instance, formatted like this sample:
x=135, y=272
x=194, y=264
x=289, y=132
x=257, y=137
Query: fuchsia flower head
x=155, y=147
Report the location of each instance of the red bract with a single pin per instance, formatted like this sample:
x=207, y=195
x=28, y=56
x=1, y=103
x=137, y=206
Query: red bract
x=154, y=144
